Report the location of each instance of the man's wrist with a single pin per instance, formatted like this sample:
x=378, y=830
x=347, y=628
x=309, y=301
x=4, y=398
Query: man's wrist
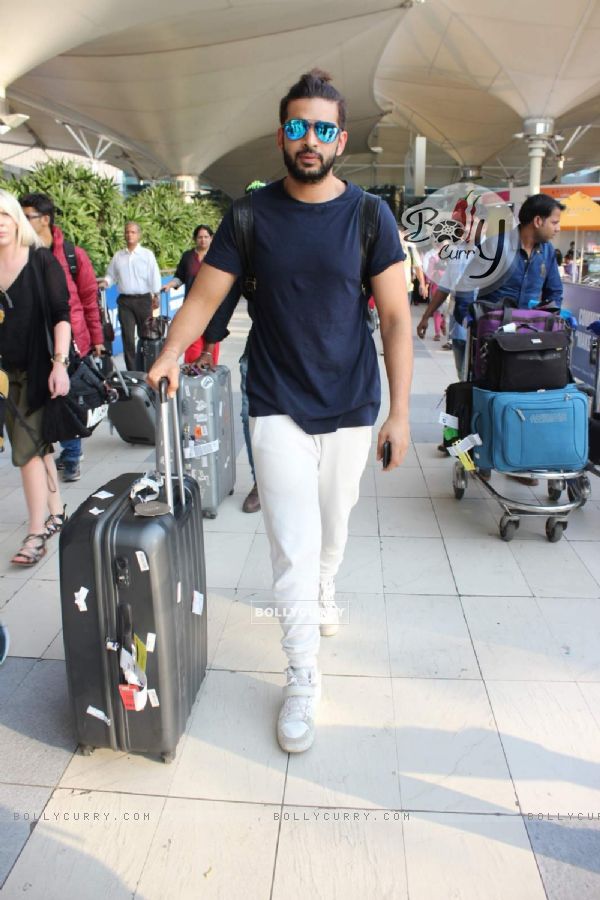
x=170, y=352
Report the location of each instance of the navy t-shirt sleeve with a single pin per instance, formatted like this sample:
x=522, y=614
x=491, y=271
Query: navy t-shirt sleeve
x=223, y=253
x=387, y=248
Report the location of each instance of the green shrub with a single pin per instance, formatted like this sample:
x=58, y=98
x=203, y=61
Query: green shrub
x=93, y=211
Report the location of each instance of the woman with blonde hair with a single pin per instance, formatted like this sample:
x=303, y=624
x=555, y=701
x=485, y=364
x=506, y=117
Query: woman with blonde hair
x=33, y=296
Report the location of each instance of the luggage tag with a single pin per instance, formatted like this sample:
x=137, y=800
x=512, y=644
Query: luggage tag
x=144, y=494
x=460, y=450
x=449, y=421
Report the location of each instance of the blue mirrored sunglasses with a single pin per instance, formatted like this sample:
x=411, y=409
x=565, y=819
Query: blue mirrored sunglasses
x=296, y=129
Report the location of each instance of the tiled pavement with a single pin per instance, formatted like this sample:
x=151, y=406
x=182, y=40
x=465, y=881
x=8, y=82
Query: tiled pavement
x=460, y=718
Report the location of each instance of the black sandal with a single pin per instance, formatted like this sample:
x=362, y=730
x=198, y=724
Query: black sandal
x=54, y=523
x=32, y=550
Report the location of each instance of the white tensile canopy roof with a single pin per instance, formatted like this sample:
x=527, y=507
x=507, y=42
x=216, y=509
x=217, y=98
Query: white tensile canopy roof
x=193, y=87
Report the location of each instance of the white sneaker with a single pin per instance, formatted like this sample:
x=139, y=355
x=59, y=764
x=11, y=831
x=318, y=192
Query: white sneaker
x=329, y=614
x=296, y=722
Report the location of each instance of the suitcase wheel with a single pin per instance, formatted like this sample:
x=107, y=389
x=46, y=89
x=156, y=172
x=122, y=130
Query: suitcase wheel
x=555, y=488
x=86, y=749
x=508, y=527
x=231, y=492
x=579, y=489
x=459, y=480
x=208, y=514
x=168, y=757
x=554, y=529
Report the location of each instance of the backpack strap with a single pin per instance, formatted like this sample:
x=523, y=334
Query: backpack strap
x=71, y=258
x=370, y=205
x=243, y=226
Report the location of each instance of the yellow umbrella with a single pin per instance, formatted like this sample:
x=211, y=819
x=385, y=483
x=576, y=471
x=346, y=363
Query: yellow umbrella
x=580, y=213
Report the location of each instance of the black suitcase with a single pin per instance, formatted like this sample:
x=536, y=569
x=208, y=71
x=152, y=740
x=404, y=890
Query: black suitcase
x=133, y=415
x=130, y=581
x=147, y=352
x=459, y=403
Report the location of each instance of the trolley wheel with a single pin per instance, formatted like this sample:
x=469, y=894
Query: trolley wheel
x=86, y=749
x=167, y=758
x=508, y=527
x=459, y=481
x=580, y=490
x=554, y=529
x=231, y=491
x=555, y=489
x=209, y=515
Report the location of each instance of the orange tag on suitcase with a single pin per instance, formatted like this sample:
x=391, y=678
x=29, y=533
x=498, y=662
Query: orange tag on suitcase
x=127, y=692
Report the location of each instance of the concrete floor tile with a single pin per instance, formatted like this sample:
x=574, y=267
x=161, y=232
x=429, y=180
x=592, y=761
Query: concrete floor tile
x=589, y=553
x=211, y=849
x=449, y=752
x=416, y=566
x=249, y=644
x=36, y=730
x=69, y=856
x=360, y=647
x=353, y=761
x=475, y=857
x=561, y=575
x=552, y=745
x=428, y=637
x=412, y=517
x=226, y=555
x=568, y=856
x=257, y=572
x=470, y=518
x=33, y=617
x=360, y=571
x=355, y=858
x=363, y=518
x=20, y=807
x=401, y=482
x=481, y=566
x=231, y=519
x=231, y=750
x=514, y=640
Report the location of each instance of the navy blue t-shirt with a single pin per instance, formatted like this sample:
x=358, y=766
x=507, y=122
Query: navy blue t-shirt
x=311, y=355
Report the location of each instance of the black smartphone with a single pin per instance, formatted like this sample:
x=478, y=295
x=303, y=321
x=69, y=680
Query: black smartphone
x=387, y=454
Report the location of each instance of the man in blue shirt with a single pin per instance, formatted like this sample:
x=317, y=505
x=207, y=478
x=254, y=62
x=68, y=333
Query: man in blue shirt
x=313, y=378
x=533, y=277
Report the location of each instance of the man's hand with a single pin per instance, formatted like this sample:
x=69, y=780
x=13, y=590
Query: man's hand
x=173, y=283
x=423, y=289
x=102, y=282
x=396, y=430
x=155, y=301
x=422, y=326
x=98, y=349
x=166, y=365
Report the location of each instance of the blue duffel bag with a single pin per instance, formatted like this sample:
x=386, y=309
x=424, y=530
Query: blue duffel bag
x=531, y=430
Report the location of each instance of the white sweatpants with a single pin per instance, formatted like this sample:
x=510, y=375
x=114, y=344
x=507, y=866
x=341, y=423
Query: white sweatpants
x=307, y=485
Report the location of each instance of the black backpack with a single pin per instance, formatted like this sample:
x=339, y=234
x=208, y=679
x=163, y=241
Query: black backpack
x=243, y=226
x=71, y=258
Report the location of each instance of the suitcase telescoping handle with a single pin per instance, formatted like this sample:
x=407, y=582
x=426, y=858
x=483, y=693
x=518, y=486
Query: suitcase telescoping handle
x=163, y=405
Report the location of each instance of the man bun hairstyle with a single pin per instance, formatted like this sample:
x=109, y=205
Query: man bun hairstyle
x=315, y=83
x=542, y=205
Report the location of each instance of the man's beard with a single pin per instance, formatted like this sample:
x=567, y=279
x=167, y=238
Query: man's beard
x=307, y=176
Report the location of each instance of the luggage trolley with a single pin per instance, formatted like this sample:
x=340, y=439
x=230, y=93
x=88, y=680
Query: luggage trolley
x=593, y=465
x=575, y=482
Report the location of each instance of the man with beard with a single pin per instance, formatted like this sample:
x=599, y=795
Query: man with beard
x=313, y=378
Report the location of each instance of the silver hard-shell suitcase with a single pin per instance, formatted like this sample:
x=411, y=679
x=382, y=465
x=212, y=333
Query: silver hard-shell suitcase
x=207, y=434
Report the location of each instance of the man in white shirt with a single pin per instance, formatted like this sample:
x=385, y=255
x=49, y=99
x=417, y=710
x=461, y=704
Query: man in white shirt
x=136, y=273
